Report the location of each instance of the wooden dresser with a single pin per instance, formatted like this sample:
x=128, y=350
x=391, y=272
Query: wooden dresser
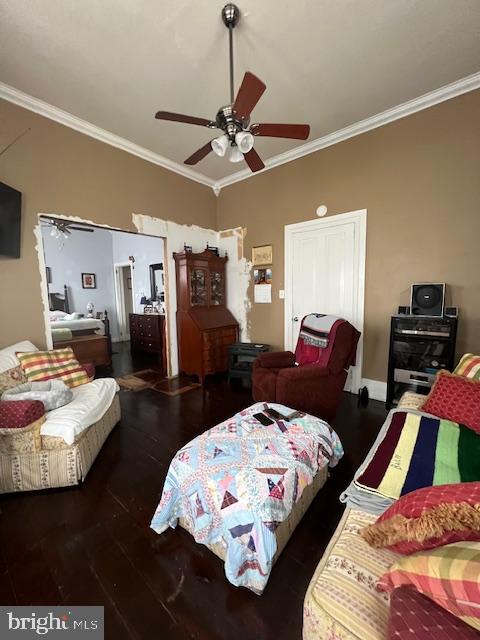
x=205, y=326
x=147, y=333
x=88, y=349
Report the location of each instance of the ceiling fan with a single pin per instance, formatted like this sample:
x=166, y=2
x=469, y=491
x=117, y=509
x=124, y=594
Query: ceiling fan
x=234, y=118
x=62, y=227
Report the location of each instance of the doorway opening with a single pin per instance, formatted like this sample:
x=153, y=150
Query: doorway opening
x=97, y=285
x=124, y=298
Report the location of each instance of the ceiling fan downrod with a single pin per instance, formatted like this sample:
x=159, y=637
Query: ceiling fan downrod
x=230, y=17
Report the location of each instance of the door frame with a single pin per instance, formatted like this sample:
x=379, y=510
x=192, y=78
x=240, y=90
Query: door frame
x=122, y=321
x=359, y=218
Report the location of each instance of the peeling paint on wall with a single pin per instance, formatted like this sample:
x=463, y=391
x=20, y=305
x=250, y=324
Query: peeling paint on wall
x=237, y=269
x=238, y=272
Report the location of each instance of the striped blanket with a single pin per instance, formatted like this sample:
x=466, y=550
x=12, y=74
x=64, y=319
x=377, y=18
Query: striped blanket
x=420, y=451
x=316, y=328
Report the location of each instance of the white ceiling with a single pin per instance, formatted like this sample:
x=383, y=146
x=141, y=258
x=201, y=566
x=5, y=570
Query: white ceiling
x=329, y=63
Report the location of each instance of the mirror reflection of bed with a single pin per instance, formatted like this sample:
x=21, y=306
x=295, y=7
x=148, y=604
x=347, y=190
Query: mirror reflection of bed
x=89, y=337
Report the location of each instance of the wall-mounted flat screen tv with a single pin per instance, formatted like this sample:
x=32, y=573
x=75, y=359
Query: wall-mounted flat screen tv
x=10, y=212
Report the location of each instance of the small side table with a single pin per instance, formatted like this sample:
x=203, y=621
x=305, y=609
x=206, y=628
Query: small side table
x=241, y=356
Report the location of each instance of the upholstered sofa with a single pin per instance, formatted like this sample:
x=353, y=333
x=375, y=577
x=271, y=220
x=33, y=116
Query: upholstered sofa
x=55, y=449
x=342, y=601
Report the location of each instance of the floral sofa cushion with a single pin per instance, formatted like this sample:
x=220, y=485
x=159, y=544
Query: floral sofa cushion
x=342, y=600
x=411, y=400
x=12, y=378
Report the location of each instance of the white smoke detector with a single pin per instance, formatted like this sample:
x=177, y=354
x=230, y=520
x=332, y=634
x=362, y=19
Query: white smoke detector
x=322, y=211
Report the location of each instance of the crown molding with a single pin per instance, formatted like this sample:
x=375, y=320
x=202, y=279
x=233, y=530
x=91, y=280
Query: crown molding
x=11, y=94
x=452, y=90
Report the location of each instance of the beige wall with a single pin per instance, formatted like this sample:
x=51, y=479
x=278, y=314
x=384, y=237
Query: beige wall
x=419, y=178
x=61, y=171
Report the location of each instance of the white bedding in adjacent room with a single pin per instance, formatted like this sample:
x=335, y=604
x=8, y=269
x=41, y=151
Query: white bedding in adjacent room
x=81, y=324
x=90, y=402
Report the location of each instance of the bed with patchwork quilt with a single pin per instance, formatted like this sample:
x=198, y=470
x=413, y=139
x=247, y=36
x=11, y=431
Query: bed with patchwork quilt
x=240, y=488
x=413, y=450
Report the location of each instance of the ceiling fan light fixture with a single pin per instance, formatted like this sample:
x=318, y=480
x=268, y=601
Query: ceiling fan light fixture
x=220, y=145
x=235, y=154
x=244, y=140
x=233, y=119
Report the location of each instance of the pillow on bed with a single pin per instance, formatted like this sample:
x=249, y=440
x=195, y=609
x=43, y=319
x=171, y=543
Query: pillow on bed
x=72, y=316
x=428, y=518
x=447, y=575
x=455, y=398
x=58, y=364
x=469, y=367
x=57, y=315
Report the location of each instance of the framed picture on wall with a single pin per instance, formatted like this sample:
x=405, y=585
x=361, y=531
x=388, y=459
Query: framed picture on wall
x=262, y=276
x=262, y=255
x=89, y=281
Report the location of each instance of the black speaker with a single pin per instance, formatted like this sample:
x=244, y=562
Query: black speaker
x=427, y=299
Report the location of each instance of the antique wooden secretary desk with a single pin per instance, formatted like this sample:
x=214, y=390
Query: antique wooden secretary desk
x=205, y=326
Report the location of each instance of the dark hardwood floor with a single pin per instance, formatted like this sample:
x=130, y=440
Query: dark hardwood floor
x=93, y=545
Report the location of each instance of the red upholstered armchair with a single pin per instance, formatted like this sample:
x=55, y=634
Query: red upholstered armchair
x=316, y=382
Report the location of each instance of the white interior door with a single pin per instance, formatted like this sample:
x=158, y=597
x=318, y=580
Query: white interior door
x=324, y=273
x=123, y=297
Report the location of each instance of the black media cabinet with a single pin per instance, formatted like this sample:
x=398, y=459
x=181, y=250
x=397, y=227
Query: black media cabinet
x=419, y=347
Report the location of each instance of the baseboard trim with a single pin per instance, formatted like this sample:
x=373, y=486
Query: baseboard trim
x=377, y=390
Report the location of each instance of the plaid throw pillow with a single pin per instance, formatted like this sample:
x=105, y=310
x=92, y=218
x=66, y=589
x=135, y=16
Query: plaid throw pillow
x=455, y=398
x=448, y=575
x=58, y=364
x=469, y=367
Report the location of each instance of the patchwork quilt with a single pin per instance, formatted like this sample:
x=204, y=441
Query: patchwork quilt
x=414, y=450
x=238, y=481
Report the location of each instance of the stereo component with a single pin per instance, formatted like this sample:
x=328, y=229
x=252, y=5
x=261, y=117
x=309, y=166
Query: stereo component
x=451, y=312
x=403, y=311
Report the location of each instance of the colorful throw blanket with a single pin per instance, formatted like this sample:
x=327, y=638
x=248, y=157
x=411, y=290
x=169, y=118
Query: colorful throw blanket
x=420, y=451
x=235, y=483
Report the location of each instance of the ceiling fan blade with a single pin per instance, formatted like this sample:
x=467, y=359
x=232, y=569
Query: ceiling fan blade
x=253, y=160
x=80, y=229
x=179, y=117
x=296, y=131
x=250, y=92
x=199, y=154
